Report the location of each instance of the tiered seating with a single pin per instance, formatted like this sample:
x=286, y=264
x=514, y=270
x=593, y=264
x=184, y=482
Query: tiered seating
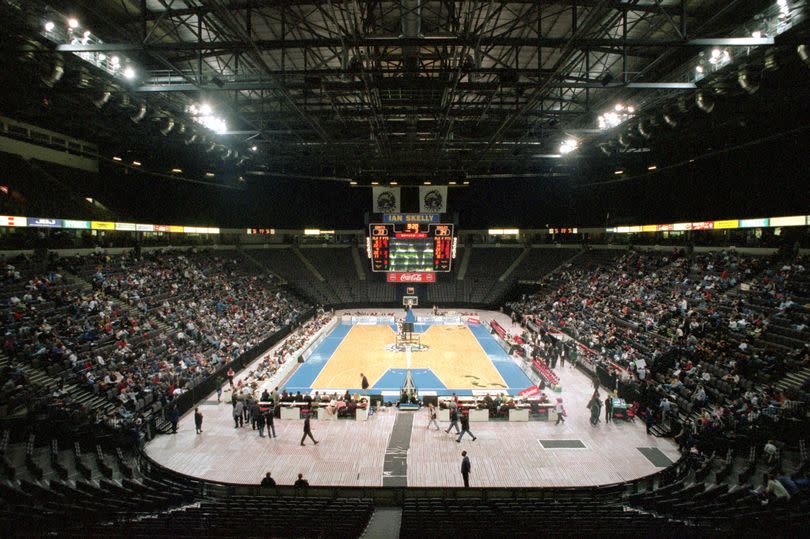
x=486, y=265
x=256, y=516
x=539, y=261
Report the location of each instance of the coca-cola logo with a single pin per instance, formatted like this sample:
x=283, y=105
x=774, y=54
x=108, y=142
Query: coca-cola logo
x=411, y=277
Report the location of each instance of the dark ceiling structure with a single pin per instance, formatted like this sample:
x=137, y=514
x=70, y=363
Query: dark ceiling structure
x=407, y=90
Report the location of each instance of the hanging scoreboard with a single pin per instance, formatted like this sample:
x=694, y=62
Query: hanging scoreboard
x=411, y=247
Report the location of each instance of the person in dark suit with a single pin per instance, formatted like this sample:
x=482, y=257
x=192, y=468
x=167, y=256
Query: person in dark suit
x=465, y=469
x=465, y=427
x=261, y=420
x=268, y=481
x=271, y=426
x=198, y=419
x=174, y=418
x=608, y=408
x=301, y=482
x=307, y=431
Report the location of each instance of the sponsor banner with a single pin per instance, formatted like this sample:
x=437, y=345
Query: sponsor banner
x=664, y=227
x=12, y=220
x=474, y=320
x=727, y=223
x=145, y=228
x=128, y=227
x=83, y=225
x=161, y=228
x=702, y=225
x=385, y=199
x=649, y=228
x=102, y=225
x=530, y=392
x=173, y=228
x=453, y=320
x=411, y=218
x=411, y=277
x=432, y=199
x=44, y=223
x=795, y=220
x=369, y=320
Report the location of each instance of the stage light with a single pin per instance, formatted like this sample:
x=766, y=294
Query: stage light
x=49, y=26
x=569, y=145
x=804, y=53
x=102, y=99
x=73, y=23
x=704, y=102
x=746, y=82
x=116, y=158
x=139, y=115
x=129, y=73
x=168, y=125
x=136, y=163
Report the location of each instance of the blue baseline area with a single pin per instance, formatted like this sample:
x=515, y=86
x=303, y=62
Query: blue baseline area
x=307, y=372
x=418, y=327
x=514, y=377
x=394, y=379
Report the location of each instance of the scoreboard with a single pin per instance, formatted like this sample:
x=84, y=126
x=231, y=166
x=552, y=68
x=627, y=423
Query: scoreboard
x=411, y=247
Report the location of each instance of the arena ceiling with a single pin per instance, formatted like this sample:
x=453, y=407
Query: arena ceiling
x=384, y=90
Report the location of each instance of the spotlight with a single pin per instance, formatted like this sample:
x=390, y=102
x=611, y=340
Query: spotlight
x=168, y=125
x=254, y=148
x=102, y=99
x=115, y=62
x=49, y=26
x=139, y=115
x=205, y=109
x=569, y=145
x=671, y=120
x=746, y=81
x=57, y=72
x=129, y=73
x=704, y=102
x=177, y=170
x=804, y=53
x=136, y=163
x=644, y=130
x=73, y=23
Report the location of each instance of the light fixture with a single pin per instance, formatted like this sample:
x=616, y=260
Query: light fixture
x=115, y=62
x=569, y=145
x=254, y=148
x=73, y=23
x=652, y=167
x=394, y=183
x=136, y=163
x=619, y=107
x=756, y=34
x=375, y=183
x=177, y=170
x=116, y=158
x=205, y=109
x=209, y=174
x=618, y=172
x=49, y=26
x=466, y=183
x=699, y=70
x=129, y=73
x=139, y=115
x=452, y=183
x=427, y=183
x=352, y=182
x=704, y=102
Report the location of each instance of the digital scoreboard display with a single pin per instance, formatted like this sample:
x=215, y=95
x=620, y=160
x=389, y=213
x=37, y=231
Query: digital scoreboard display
x=411, y=247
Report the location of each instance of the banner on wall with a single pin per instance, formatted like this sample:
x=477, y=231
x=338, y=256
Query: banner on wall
x=385, y=199
x=432, y=199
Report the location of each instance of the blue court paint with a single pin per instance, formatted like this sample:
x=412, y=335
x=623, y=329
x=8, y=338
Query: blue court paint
x=307, y=372
x=417, y=328
x=394, y=379
x=514, y=377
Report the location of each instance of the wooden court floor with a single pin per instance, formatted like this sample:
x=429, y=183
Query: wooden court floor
x=453, y=353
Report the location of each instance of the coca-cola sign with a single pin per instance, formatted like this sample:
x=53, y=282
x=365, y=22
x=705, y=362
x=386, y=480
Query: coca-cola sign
x=411, y=277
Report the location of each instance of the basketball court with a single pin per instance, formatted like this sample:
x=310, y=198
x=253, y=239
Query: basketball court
x=459, y=358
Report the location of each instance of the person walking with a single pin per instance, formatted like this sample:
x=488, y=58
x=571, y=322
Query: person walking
x=608, y=408
x=465, y=469
x=432, y=416
x=260, y=421
x=230, y=377
x=255, y=412
x=560, y=409
x=219, y=390
x=595, y=406
x=561, y=354
x=465, y=427
x=271, y=426
x=307, y=431
x=364, y=383
x=238, y=419
x=453, y=420
x=198, y=419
